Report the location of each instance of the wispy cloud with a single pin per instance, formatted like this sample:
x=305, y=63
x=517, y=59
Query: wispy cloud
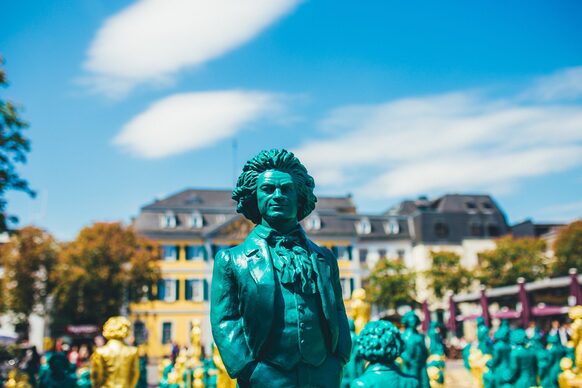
x=563, y=212
x=565, y=84
x=152, y=40
x=190, y=121
x=449, y=142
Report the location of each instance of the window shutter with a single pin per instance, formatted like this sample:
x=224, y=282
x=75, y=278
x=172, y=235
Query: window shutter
x=334, y=250
x=188, y=289
x=350, y=253
x=204, y=252
x=352, y=284
x=189, y=252
x=205, y=289
x=214, y=250
x=161, y=289
x=177, y=289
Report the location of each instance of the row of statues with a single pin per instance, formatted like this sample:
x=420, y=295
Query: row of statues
x=513, y=359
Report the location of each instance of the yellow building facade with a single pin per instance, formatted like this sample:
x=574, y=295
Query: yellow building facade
x=191, y=227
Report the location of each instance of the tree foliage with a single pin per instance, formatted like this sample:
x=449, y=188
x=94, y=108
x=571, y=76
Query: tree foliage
x=568, y=249
x=447, y=274
x=390, y=284
x=104, y=266
x=29, y=259
x=13, y=149
x=512, y=259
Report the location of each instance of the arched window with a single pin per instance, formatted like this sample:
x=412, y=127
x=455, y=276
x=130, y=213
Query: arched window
x=168, y=220
x=363, y=226
x=313, y=222
x=392, y=227
x=196, y=220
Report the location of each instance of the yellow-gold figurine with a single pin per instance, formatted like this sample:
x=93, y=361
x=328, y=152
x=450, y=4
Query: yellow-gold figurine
x=360, y=309
x=115, y=364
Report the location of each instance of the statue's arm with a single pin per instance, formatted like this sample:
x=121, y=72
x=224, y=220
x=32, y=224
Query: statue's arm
x=344, y=345
x=134, y=369
x=226, y=319
x=97, y=378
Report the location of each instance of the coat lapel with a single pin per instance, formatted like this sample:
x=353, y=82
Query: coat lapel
x=324, y=284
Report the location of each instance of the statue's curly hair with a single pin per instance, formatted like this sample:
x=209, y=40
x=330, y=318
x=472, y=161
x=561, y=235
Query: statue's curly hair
x=116, y=328
x=380, y=342
x=245, y=192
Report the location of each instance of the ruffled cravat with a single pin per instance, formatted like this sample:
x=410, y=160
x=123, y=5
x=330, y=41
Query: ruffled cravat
x=293, y=262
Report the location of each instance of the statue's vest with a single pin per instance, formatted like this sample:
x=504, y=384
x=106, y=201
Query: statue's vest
x=297, y=332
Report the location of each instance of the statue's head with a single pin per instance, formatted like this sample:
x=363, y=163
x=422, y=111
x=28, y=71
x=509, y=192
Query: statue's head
x=502, y=333
x=575, y=313
x=116, y=328
x=380, y=342
x=359, y=294
x=518, y=337
x=269, y=169
x=410, y=320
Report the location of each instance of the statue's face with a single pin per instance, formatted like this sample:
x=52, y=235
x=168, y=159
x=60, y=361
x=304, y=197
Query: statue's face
x=277, y=198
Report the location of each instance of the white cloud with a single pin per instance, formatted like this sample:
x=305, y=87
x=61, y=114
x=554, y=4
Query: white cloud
x=451, y=142
x=563, y=212
x=151, y=40
x=564, y=84
x=189, y=121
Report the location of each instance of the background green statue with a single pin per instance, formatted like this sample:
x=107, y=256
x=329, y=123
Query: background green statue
x=523, y=361
x=277, y=312
x=499, y=365
x=380, y=343
x=355, y=366
x=415, y=353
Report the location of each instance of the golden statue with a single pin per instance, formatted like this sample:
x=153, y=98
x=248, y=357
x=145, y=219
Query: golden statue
x=223, y=380
x=196, y=340
x=576, y=317
x=360, y=309
x=198, y=378
x=478, y=362
x=115, y=365
x=571, y=375
x=434, y=375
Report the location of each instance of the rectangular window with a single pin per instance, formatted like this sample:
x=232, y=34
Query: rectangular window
x=363, y=255
x=196, y=252
x=169, y=252
x=171, y=288
x=382, y=253
x=166, y=332
x=197, y=290
x=346, y=287
x=343, y=252
x=400, y=254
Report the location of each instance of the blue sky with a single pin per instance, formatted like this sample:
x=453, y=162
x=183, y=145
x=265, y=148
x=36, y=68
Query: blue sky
x=129, y=101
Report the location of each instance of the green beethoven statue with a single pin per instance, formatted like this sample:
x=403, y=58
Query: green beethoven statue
x=522, y=362
x=380, y=343
x=415, y=353
x=277, y=313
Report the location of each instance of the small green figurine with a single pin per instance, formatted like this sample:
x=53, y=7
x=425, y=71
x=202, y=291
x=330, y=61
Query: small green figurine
x=437, y=346
x=522, y=362
x=415, y=353
x=380, y=343
x=501, y=356
x=355, y=367
x=556, y=351
x=277, y=311
x=483, y=336
x=58, y=374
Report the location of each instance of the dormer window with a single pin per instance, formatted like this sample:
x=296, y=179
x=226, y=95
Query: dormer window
x=313, y=222
x=168, y=220
x=363, y=226
x=392, y=227
x=196, y=220
x=471, y=206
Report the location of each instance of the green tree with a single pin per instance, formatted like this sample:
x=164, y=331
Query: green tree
x=390, y=284
x=13, y=149
x=568, y=249
x=104, y=266
x=447, y=274
x=29, y=259
x=512, y=259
